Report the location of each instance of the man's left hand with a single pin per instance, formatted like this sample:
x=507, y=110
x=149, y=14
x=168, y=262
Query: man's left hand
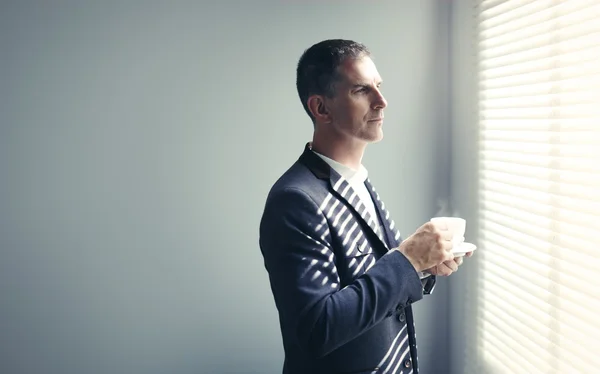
x=448, y=267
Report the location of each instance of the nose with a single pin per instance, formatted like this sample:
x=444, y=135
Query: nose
x=380, y=102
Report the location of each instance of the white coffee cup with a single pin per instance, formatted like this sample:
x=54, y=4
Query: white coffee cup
x=455, y=225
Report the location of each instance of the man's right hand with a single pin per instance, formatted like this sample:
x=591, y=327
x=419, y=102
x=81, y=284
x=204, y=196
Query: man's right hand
x=429, y=246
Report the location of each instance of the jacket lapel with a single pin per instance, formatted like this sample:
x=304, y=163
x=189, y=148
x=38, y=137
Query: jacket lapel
x=347, y=193
x=389, y=226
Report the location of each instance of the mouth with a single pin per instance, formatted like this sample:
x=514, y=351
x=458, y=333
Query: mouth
x=379, y=119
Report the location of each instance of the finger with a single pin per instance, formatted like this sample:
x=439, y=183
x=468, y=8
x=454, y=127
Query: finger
x=458, y=260
x=446, y=235
x=469, y=254
x=446, y=247
x=452, y=265
x=446, y=244
x=444, y=270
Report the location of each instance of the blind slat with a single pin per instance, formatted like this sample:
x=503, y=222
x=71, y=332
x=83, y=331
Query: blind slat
x=516, y=266
x=580, y=124
x=543, y=226
x=537, y=211
x=506, y=348
x=569, y=183
x=544, y=241
x=578, y=83
x=535, y=76
x=547, y=100
x=579, y=162
x=536, y=299
x=578, y=19
x=553, y=45
x=522, y=336
x=532, y=13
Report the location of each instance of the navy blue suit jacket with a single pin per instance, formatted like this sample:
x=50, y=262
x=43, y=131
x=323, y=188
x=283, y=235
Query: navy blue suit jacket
x=344, y=298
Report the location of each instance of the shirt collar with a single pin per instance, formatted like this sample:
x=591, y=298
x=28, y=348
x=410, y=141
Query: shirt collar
x=352, y=176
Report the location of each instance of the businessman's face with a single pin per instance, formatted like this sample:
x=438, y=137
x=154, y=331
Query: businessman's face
x=356, y=110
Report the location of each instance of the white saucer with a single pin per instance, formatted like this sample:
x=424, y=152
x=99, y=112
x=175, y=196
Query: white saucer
x=462, y=249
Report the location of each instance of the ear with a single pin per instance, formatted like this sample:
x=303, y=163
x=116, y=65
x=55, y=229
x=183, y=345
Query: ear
x=317, y=105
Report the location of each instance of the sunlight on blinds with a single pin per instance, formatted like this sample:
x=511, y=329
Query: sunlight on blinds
x=539, y=166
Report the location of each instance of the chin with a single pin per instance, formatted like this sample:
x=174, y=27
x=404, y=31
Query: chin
x=370, y=135
x=376, y=137
x=377, y=140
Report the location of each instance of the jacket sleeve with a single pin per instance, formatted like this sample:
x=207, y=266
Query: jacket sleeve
x=298, y=256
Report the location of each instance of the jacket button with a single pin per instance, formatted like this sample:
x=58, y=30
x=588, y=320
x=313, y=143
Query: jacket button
x=401, y=317
x=407, y=364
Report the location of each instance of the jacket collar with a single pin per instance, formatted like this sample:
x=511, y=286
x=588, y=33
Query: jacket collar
x=315, y=163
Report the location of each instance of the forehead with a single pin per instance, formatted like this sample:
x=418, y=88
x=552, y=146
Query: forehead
x=362, y=70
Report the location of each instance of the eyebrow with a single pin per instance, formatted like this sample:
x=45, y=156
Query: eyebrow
x=357, y=85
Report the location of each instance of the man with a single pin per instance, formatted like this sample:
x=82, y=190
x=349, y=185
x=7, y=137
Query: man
x=342, y=278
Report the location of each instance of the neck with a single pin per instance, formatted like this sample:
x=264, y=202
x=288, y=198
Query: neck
x=345, y=150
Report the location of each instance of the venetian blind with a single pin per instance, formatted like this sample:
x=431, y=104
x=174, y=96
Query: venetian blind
x=538, y=297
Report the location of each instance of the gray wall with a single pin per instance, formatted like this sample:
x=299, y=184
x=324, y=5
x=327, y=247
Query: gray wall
x=138, y=141
x=464, y=185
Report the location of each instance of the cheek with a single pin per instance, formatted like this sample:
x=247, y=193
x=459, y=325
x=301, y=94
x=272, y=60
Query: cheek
x=344, y=112
x=352, y=111
x=358, y=110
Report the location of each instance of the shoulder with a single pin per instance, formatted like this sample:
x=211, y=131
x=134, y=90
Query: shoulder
x=300, y=182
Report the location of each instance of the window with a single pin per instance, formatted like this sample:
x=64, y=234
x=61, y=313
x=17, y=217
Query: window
x=538, y=65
